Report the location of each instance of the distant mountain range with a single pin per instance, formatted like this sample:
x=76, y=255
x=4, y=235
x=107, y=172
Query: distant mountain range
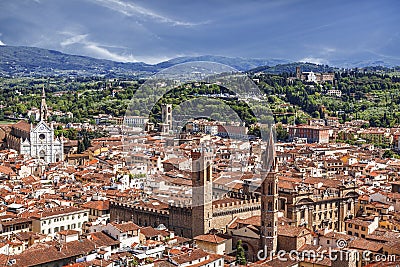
x=32, y=61
x=241, y=64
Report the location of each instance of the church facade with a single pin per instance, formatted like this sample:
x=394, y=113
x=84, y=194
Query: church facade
x=36, y=141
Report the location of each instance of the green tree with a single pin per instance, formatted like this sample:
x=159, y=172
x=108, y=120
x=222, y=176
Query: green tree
x=134, y=262
x=32, y=119
x=281, y=133
x=81, y=147
x=315, y=114
x=240, y=256
x=389, y=154
x=86, y=141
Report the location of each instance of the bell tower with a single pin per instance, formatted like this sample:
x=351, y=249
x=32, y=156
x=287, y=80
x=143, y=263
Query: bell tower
x=298, y=73
x=201, y=190
x=269, y=199
x=44, y=112
x=166, y=115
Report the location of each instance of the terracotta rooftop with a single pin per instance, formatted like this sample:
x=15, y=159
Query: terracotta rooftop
x=149, y=231
x=188, y=257
x=46, y=253
x=52, y=212
x=97, y=205
x=101, y=239
x=211, y=238
x=292, y=231
x=22, y=125
x=68, y=232
x=363, y=244
x=125, y=227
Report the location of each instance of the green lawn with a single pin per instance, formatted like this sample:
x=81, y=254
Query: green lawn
x=6, y=122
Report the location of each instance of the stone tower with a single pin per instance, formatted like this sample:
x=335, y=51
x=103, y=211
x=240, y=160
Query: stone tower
x=166, y=115
x=44, y=112
x=269, y=199
x=201, y=190
x=298, y=73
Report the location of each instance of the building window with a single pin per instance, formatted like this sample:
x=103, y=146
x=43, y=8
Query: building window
x=270, y=189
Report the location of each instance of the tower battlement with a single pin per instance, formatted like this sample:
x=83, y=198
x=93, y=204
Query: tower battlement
x=138, y=208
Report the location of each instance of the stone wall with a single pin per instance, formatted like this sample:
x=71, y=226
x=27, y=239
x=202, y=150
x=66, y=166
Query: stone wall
x=226, y=212
x=140, y=215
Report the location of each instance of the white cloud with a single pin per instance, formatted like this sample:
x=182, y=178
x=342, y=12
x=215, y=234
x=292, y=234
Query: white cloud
x=314, y=60
x=74, y=40
x=153, y=59
x=94, y=49
x=1, y=43
x=131, y=9
x=102, y=52
x=328, y=50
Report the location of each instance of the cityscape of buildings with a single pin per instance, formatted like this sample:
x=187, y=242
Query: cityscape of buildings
x=199, y=133
x=205, y=196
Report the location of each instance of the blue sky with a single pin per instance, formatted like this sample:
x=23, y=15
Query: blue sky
x=153, y=31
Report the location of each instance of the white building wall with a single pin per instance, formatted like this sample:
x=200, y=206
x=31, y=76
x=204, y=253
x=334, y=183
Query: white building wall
x=67, y=221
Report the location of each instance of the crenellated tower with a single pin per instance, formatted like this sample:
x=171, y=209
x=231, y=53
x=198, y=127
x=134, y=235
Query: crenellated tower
x=202, y=158
x=166, y=117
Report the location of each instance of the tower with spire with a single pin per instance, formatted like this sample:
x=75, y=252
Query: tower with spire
x=44, y=112
x=39, y=141
x=269, y=198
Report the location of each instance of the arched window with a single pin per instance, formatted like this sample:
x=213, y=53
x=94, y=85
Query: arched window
x=269, y=205
x=42, y=154
x=208, y=173
x=198, y=170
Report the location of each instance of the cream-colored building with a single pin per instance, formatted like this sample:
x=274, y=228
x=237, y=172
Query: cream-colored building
x=50, y=221
x=213, y=243
x=361, y=227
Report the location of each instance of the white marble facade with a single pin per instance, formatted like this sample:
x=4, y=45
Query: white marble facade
x=42, y=144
